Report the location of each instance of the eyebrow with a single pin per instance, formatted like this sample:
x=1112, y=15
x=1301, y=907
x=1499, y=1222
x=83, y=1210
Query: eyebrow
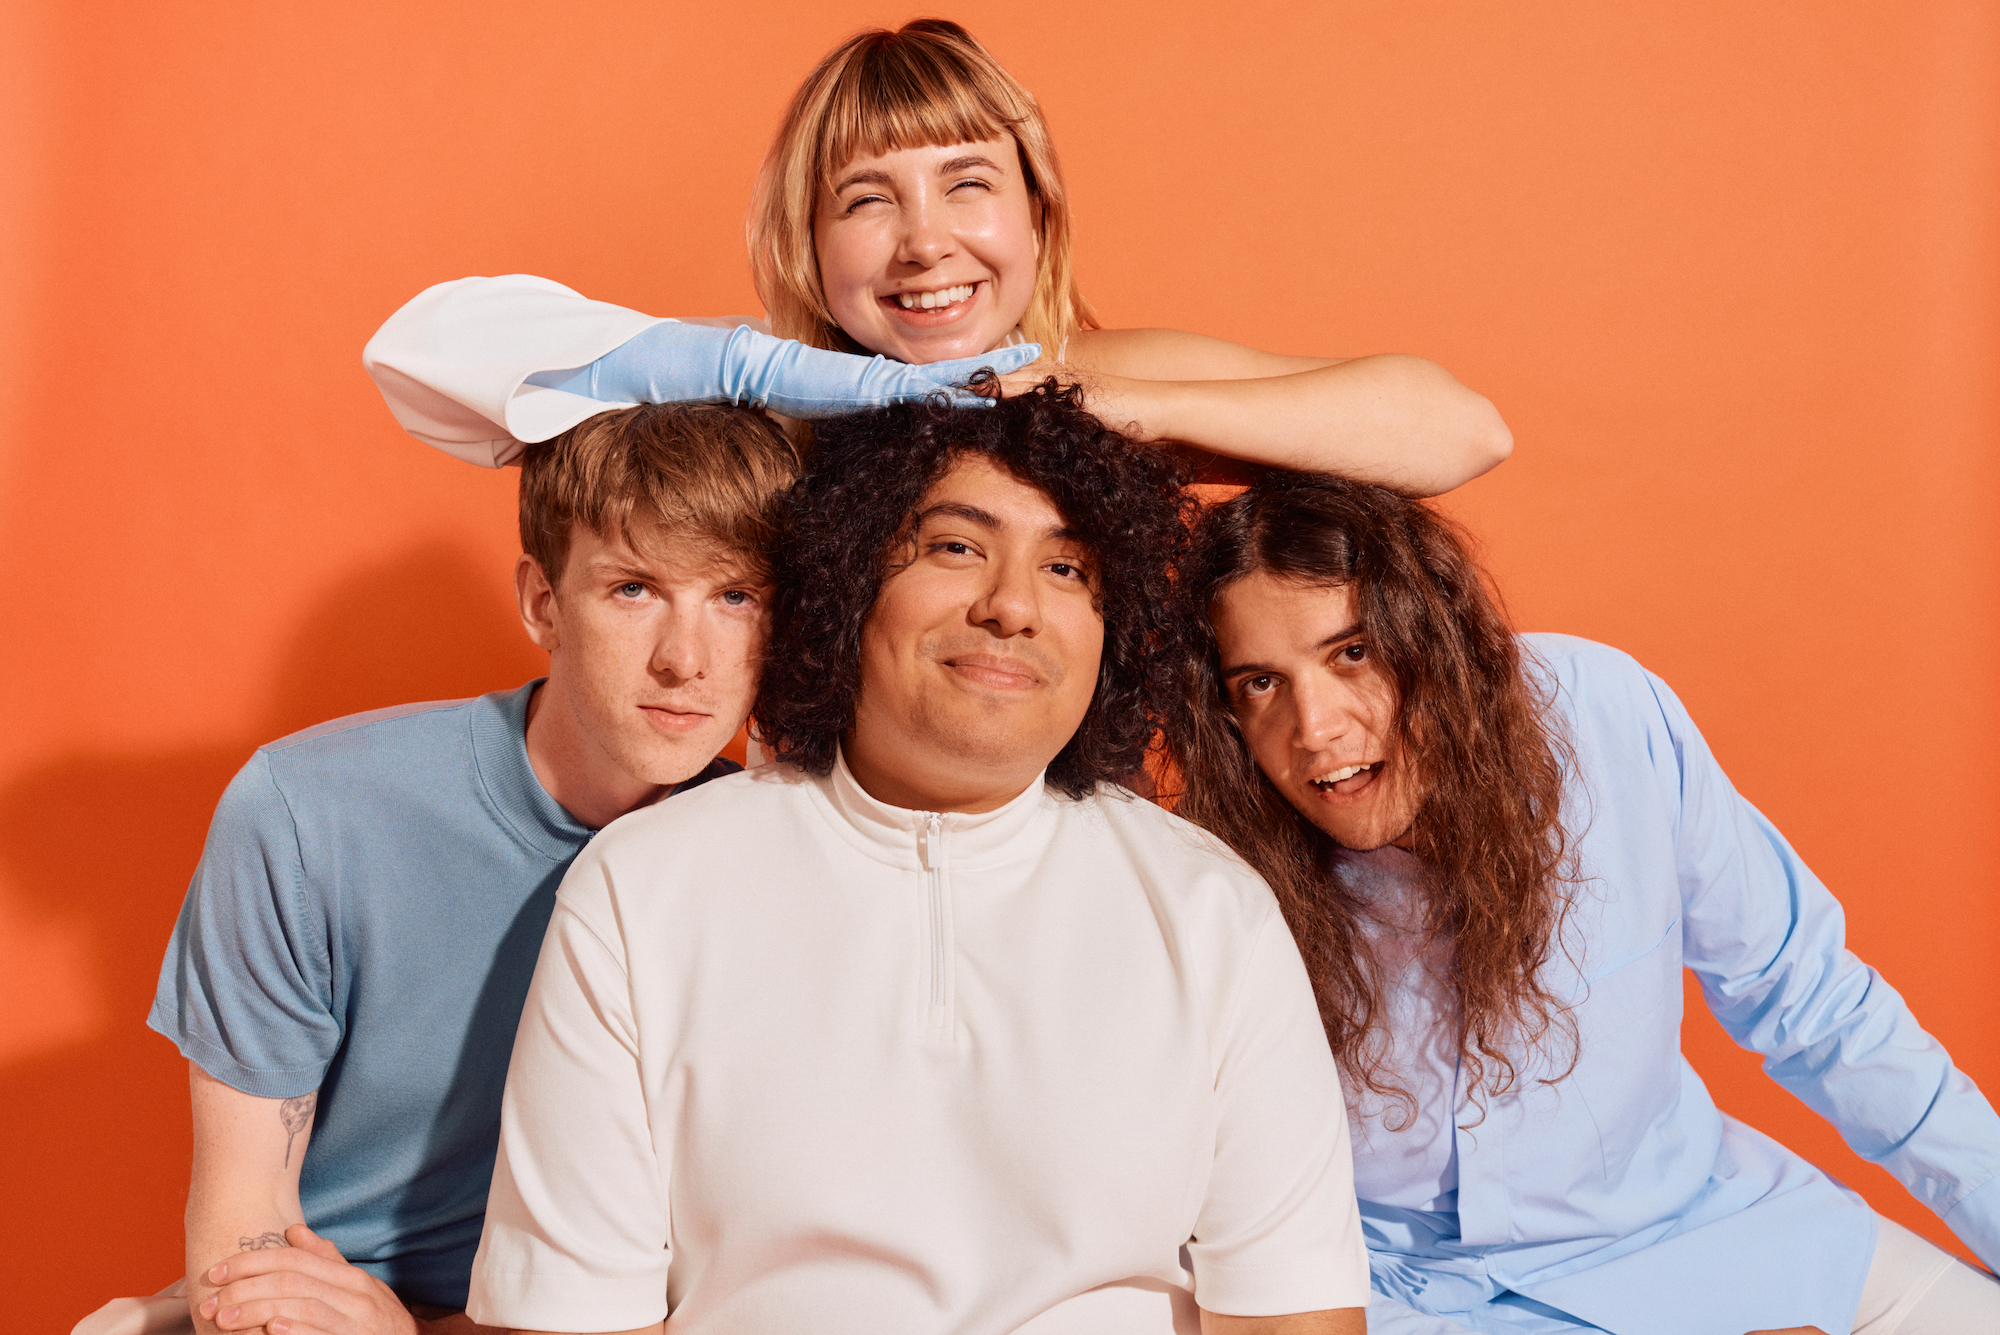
x=1235, y=670
x=864, y=177
x=972, y=514
x=870, y=176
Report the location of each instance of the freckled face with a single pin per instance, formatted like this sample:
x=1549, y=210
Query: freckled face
x=979, y=658
x=926, y=254
x=655, y=656
x=1315, y=707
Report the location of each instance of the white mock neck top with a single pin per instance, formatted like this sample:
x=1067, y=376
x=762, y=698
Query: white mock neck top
x=797, y=1059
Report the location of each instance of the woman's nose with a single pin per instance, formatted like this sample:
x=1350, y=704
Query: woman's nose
x=926, y=237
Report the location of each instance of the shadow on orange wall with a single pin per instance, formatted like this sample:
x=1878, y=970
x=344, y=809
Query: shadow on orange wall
x=110, y=840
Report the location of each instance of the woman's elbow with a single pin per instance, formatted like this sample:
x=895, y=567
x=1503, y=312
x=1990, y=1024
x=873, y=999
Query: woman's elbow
x=1490, y=441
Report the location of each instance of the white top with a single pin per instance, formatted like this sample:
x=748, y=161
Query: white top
x=1405, y=1155
x=794, y=1059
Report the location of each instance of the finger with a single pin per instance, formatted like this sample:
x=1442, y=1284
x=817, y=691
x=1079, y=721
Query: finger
x=305, y=1239
x=297, y=1314
x=277, y=1260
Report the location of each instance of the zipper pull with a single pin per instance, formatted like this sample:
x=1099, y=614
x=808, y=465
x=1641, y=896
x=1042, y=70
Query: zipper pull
x=928, y=840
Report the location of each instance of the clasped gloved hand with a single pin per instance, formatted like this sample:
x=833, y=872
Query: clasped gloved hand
x=673, y=362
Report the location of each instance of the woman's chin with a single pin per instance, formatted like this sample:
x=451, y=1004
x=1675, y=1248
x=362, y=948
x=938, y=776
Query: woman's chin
x=920, y=346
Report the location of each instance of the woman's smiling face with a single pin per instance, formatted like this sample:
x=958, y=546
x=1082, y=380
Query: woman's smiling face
x=929, y=253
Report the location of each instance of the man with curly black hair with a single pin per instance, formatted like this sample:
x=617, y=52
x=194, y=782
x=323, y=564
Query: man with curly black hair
x=931, y=1026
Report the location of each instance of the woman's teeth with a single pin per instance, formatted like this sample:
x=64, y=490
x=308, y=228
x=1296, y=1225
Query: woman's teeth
x=1328, y=780
x=924, y=301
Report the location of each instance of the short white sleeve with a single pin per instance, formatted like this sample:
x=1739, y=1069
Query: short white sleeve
x=576, y=1224
x=1279, y=1231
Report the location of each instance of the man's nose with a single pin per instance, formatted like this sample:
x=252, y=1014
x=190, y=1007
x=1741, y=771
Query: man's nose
x=1011, y=603
x=1325, y=713
x=683, y=650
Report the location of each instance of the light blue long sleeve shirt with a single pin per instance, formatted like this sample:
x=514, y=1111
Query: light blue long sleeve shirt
x=1619, y=1197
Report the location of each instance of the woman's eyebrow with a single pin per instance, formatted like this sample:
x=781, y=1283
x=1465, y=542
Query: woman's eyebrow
x=866, y=176
x=960, y=164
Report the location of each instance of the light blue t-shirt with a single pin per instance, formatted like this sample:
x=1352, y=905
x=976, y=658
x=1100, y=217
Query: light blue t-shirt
x=364, y=923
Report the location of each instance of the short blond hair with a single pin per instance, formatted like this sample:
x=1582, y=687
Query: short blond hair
x=660, y=472
x=927, y=83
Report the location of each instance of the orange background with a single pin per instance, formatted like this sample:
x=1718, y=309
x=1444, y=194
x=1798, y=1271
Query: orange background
x=1729, y=270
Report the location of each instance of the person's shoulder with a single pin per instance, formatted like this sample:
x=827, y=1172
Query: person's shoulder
x=390, y=730
x=1168, y=850
x=724, y=806
x=1588, y=675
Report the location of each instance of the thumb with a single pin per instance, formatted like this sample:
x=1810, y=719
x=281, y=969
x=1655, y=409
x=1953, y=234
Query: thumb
x=308, y=1241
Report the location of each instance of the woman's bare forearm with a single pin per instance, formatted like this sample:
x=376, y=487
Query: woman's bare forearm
x=1399, y=421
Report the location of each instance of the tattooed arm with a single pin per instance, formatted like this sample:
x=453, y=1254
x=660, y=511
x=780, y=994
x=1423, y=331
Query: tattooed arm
x=251, y=1259
x=244, y=1191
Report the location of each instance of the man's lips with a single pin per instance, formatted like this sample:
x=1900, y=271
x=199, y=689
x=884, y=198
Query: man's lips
x=996, y=670
x=1342, y=784
x=668, y=719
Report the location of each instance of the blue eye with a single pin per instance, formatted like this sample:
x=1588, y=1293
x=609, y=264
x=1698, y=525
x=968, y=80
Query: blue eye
x=736, y=597
x=631, y=589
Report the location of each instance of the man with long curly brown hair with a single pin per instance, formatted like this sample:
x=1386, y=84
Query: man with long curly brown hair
x=931, y=1026
x=1497, y=853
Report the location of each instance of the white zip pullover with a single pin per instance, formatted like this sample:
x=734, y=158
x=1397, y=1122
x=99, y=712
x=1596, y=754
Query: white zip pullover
x=794, y=1059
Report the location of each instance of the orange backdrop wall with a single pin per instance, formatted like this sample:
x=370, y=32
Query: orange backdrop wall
x=1731, y=272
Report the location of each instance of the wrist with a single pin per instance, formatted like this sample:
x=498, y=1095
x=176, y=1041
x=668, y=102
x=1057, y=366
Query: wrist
x=1141, y=409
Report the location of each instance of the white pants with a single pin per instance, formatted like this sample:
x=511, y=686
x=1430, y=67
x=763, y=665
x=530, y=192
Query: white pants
x=1913, y=1288
x=165, y=1313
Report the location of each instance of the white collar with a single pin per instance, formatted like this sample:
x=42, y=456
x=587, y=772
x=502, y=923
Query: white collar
x=894, y=834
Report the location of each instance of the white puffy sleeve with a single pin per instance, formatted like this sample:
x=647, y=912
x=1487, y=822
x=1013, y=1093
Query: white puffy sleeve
x=454, y=362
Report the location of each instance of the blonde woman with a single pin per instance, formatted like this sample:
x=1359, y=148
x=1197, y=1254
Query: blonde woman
x=910, y=228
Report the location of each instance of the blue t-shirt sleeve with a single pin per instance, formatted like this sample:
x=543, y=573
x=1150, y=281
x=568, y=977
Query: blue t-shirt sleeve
x=245, y=991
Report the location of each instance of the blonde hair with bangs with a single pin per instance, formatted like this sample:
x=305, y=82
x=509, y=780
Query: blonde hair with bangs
x=928, y=83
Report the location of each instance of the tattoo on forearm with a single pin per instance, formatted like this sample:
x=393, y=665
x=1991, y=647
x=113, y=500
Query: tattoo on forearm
x=296, y=1114
x=262, y=1242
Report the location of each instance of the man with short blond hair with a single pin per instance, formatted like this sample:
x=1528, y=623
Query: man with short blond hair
x=352, y=956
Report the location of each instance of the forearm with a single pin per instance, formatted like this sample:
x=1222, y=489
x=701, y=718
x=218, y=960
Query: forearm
x=1399, y=421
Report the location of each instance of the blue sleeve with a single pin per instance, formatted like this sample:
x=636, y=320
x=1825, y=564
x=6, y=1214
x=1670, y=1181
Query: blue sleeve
x=245, y=991
x=1768, y=942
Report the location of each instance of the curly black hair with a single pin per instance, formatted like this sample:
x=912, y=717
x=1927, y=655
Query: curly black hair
x=856, y=507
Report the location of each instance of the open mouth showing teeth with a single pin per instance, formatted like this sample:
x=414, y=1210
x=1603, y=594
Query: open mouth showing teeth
x=925, y=301
x=1325, y=782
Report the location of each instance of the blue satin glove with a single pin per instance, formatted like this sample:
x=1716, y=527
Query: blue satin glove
x=695, y=363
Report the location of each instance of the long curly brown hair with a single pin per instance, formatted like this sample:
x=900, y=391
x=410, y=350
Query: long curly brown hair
x=852, y=514
x=1479, y=734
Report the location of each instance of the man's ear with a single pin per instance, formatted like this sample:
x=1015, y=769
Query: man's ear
x=537, y=600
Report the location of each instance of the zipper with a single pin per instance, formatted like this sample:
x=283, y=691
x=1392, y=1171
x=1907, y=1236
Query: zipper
x=930, y=852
